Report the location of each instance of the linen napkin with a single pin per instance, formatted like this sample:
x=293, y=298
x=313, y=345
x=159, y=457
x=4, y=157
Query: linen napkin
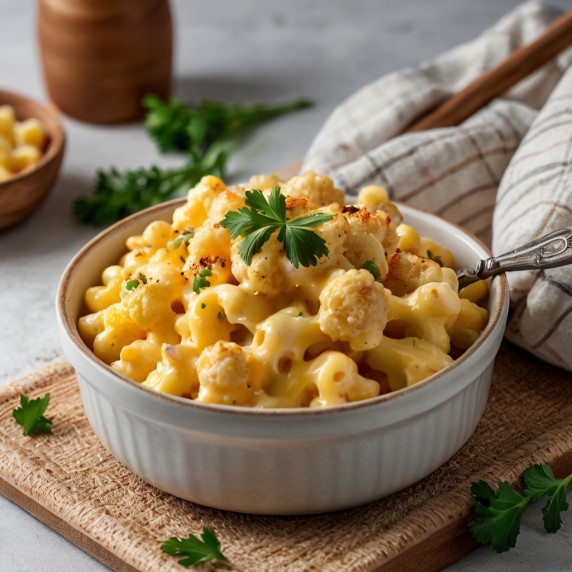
x=505, y=174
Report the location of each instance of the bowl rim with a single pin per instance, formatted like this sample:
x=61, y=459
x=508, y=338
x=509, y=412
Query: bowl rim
x=56, y=133
x=69, y=327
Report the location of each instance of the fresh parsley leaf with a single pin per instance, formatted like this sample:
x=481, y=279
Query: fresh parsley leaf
x=539, y=481
x=498, y=515
x=195, y=550
x=119, y=194
x=30, y=415
x=167, y=123
x=177, y=126
x=200, y=281
x=261, y=217
x=372, y=267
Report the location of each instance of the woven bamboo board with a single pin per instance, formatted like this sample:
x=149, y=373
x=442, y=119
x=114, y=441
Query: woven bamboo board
x=69, y=481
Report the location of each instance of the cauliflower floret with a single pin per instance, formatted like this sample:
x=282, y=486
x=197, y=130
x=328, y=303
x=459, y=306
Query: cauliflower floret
x=319, y=189
x=272, y=274
x=354, y=309
x=210, y=248
x=407, y=272
x=155, y=302
x=266, y=273
x=263, y=182
x=376, y=199
x=224, y=375
x=365, y=239
x=231, y=199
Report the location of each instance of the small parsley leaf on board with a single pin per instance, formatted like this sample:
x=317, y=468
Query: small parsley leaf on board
x=195, y=550
x=498, y=516
x=539, y=482
x=261, y=217
x=30, y=415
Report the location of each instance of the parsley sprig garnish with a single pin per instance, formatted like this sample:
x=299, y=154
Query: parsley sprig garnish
x=195, y=550
x=261, y=217
x=207, y=133
x=498, y=515
x=30, y=415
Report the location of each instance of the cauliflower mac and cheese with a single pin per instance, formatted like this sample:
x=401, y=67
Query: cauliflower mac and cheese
x=183, y=312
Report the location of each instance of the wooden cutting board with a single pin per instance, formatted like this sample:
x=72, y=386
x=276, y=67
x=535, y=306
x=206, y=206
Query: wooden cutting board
x=69, y=481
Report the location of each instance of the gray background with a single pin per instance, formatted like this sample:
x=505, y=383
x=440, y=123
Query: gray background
x=239, y=51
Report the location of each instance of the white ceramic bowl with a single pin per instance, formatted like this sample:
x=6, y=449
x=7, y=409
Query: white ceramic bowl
x=280, y=461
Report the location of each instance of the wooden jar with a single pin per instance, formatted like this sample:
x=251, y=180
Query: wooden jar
x=101, y=57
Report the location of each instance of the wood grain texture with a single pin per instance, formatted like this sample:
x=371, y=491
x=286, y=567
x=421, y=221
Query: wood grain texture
x=498, y=80
x=71, y=483
x=99, y=59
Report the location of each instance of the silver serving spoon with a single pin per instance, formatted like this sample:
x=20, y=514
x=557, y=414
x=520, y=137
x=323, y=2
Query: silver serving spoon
x=548, y=251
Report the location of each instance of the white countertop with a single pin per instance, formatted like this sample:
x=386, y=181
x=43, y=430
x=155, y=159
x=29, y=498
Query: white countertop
x=247, y=51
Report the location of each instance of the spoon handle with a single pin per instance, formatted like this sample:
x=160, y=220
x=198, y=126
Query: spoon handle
x=548, y=251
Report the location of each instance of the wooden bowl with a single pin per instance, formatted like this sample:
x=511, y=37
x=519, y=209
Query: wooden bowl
x=21, y=194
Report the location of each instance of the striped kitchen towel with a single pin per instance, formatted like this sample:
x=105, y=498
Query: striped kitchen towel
x=505, y=174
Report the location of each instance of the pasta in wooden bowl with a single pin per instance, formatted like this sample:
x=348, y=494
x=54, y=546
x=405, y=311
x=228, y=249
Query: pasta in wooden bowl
x=281, y=337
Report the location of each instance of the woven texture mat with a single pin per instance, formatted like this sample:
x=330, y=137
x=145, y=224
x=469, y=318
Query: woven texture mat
x=68, y=480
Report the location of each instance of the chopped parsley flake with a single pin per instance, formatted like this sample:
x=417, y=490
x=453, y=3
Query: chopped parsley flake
x=200, y=281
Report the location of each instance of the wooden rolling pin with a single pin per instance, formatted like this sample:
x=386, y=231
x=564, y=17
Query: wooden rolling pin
x=496, y=81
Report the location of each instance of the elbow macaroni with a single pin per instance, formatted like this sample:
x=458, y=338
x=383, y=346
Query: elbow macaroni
x=21, y=143
x=272, y=335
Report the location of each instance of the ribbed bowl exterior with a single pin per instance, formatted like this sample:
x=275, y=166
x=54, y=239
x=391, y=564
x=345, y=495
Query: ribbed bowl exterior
x=286, y=476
